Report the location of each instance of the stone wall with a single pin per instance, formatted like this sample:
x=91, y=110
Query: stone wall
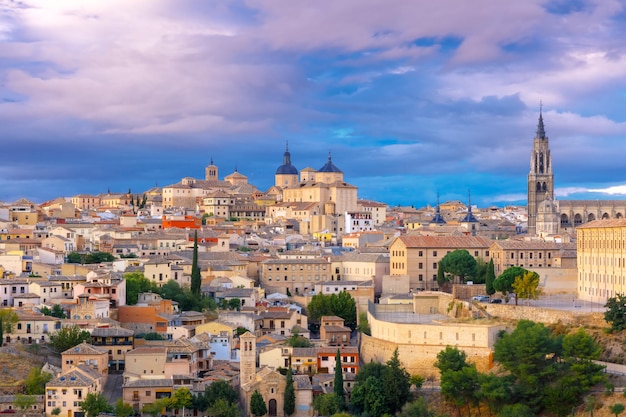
x=419, y=359
x=545, y=315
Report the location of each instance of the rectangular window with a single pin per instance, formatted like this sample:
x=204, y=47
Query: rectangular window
x=434, y=253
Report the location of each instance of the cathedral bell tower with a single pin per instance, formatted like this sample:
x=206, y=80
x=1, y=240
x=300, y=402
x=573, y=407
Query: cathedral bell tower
x=540, y=178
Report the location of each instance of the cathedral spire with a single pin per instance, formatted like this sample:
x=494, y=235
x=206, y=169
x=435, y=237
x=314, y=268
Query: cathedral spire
x=287, y=155
x=541, y=133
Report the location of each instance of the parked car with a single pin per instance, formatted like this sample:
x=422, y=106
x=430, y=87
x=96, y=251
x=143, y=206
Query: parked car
x=496, y=301
x=481, y=298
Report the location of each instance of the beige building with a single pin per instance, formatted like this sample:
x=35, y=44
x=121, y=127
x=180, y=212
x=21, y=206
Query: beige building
x=377, y=210
x=68, y=390
x=414, y=259
x=140, y=392
x=86, y=201
x=298, y=276
x=531, y=254
x=89, y=355
x=601, y=259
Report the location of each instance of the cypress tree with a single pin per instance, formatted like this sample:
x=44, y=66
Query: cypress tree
x=338, y=388
x=258, y=407
x=490, y=278
x=289, y=403
x=196, y=280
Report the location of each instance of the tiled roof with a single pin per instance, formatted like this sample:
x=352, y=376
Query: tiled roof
x=111, y=332
x=84, y=349
x=140, y=383
x=452, y=242
x=603, y=223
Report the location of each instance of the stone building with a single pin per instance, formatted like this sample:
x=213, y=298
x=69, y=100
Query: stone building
x=414, y=259
x=601, y=259
x=270, y=383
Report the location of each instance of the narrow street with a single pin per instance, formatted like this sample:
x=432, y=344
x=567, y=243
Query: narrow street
x=113, y=388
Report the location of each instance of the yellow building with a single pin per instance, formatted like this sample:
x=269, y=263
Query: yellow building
x=601, y=249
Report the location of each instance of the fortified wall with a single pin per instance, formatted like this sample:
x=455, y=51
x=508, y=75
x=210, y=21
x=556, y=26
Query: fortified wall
x=420, y=334
x=545, y=315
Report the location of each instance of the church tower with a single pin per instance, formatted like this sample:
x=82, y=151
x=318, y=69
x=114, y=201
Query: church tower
x=247, y=365
x=211, y=172
x=540, y=178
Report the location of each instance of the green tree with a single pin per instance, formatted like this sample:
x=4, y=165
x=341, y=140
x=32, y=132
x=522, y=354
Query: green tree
x=196, y=279
x=234, y=304
x=137, y=283
x=327, y=404
x=94, y=404
x=490, y=278
x=289, y=397
x=364, y=325
x=341, y=305
x=55, y=411
x=494, y=390
x=504, y=281
x=258, y=408
x=215, y=391
x=68, y=337
x=24, y=402
x=417, y=408
x=479, y=276
x=223, y=408
x=295, y=340
x=527, y=286
x=35, y=382
x=338, y=382
x=451, y=358
x=369, y=397
x=615, y=314
x=460, y=387
x=458, y=263
x=155, y=408
x=7, y=319
x=56, y=311
x=153, y=336
x=123, y=409
x=89, y=257
x=181, y=399
x=396, y=383
x=617, y=409
x=529, y=354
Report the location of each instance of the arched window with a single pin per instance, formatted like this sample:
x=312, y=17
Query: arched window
x=564, y=220
x=578, y=219
x=544, y=187
x=591, y=217
x=538, y=186
x=605, y=216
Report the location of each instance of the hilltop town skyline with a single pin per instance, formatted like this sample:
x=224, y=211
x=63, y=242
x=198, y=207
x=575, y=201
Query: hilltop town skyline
x=411, y=99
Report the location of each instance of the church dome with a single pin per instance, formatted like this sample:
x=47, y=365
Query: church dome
x=329, y=166
x=287, y=168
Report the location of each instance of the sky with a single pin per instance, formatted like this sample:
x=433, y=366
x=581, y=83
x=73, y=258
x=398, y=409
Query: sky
x=413, y=99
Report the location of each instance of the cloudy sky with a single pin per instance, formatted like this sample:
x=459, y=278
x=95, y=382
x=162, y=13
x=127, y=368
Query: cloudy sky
x=412, y=98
